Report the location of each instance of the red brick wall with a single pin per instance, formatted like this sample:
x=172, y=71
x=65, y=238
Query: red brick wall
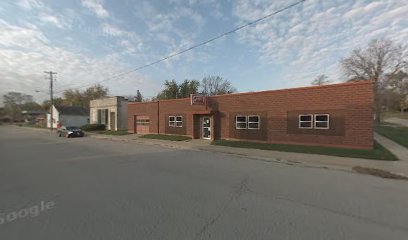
x=353, y=100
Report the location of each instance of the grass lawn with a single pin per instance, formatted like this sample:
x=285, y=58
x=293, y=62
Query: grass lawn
x=379, y=152
x=166, y=137
x=396, y=133
x=117, y=133
x=32, y=126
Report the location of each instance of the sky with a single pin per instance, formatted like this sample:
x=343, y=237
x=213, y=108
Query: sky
x=89, y=41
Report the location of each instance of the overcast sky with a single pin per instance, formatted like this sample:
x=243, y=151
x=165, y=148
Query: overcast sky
x=87, y=41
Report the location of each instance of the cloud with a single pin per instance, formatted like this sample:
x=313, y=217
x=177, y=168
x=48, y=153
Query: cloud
x=96, y=7
x=26, y=52
x=52, y=20
x=312, y=37
x=29, y=4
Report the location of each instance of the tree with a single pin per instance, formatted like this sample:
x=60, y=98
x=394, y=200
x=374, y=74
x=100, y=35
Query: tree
x=82, y=99
x=170, y=91
x=216, y=85
x=57, y=102
x=381, y=57
x=320, y=80
x=188, y=87
x=398, y=82
x=15, y=102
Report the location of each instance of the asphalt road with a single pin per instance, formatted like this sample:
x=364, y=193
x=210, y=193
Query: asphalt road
x=85, y=188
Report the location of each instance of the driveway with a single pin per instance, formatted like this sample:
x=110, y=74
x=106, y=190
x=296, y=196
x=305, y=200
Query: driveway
x=88, y=188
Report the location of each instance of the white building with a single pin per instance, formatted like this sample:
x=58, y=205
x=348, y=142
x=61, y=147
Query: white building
x=110, y=111
x=68, y=116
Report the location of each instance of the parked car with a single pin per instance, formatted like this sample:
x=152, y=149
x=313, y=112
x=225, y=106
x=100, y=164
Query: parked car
x=70, y=132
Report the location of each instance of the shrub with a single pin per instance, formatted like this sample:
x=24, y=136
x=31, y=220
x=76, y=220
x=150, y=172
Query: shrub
x=93, y=127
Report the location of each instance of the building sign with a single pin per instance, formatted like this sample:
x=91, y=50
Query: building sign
x=197, y=99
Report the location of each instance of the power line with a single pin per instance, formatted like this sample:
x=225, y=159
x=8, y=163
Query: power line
x=199, y=44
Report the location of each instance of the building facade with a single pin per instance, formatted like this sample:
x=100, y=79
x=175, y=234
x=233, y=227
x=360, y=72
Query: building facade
x=338, y=115
x=110, y=111
x=68, y=116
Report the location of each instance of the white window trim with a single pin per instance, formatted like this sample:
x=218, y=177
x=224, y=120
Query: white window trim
x=328, y=121
x=179, y=121
x=311, y=121
x=259, y=121
x=236, y=122
x=172, y=123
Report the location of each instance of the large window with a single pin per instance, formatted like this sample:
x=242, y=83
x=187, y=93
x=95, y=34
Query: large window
x=175, y=121
x=247, y=122
x=253, y=122
x=241, y=122
x=321, y=121
x=172, y=121
x=316, y=121
x=103, y=116
x=179, y=121
x=306, y=121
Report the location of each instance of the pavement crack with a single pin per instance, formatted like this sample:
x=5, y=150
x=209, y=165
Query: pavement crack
x=240, y=189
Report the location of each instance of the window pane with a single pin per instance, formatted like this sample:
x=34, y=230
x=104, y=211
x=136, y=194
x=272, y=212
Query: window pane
x=241, y=119
x=171, y=119
x=179, y=124
x=322, y=124
x=179, y=118
x=306, y=118
x=324, y=118
x=253, y=119
x=253, y=125
x=305, y=124
x=241, y=125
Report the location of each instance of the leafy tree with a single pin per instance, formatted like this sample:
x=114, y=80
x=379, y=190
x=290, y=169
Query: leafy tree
x=398, y=82
x=77, y=98
x=57, y=102
x=216, y=85
x=320, y=80
x=381, y=57
x=188, y=87
x=15, y=102
x=170, y=91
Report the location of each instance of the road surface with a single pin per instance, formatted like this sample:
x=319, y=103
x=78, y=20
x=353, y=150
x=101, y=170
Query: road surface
x=86, y=188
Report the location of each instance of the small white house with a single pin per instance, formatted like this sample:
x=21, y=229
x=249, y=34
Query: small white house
x=111, y=111
x=68, y=116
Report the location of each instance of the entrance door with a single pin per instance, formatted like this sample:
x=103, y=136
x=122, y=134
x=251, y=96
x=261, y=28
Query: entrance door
x=206, y=123
x=112, y=121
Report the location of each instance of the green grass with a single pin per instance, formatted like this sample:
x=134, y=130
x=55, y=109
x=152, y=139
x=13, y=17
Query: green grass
x=396, y=133
x=116, y=133
x=32, y=126
x=166, y=137
x=378, y=152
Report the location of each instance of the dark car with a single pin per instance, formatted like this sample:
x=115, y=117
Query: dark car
x=70, y=132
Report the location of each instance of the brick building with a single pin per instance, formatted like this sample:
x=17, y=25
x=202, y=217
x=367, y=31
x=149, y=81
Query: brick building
x=338, y=115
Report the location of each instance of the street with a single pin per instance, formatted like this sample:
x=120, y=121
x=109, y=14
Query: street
x=87, y=188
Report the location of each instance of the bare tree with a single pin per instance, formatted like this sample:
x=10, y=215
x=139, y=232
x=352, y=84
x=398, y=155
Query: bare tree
x=321, y=80
x=215, y=85
x=381, y=57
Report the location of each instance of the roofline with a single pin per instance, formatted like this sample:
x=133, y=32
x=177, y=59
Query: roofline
x=362, y=82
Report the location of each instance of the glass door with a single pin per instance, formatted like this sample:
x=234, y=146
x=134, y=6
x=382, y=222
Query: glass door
x=206, y=127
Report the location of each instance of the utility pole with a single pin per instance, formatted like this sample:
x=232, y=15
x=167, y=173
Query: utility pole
x=51, y=78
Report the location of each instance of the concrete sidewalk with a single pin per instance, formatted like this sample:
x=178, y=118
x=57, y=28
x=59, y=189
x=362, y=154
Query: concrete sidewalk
x=289, y=158
x=398, y=121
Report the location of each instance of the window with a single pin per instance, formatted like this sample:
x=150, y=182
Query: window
x=175, y=121
x=240, y=122
x=253, y=122
x=143, y=122
x=321, y=121
x=306, y=121
x=179, y=121
x=172, y=121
